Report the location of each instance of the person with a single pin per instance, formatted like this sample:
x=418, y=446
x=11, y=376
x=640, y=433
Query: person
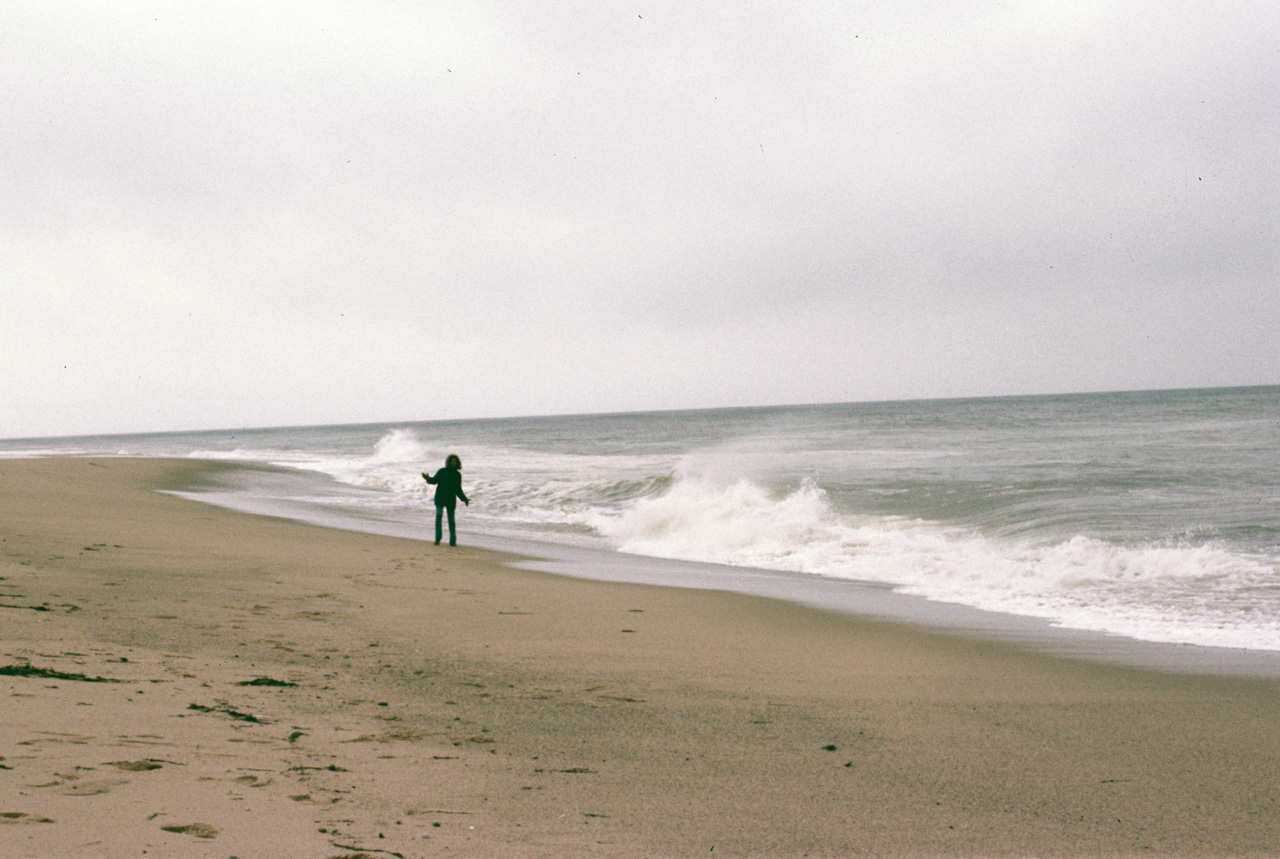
x=448, y=484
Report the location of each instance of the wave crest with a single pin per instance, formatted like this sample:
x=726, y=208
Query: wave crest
x=399, y=447
x=1177, y=592
x=735, y=524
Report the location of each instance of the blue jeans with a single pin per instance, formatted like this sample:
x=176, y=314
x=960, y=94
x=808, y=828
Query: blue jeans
x=453, y=536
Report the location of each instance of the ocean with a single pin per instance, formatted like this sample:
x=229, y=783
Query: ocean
x=1153, y=515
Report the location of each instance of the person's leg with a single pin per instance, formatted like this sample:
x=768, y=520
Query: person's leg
x=439, y=516
x=453, y=535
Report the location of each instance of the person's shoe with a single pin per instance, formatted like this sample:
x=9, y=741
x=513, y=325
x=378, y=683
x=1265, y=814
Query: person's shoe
x=437, y=542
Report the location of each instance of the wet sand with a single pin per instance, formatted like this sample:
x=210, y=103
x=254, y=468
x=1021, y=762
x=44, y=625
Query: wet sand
x=181, y=679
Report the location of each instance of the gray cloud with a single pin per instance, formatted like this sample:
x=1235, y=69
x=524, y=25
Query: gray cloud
x=273, y=213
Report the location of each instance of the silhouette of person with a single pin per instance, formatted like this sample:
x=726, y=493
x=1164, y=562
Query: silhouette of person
x=448, y=484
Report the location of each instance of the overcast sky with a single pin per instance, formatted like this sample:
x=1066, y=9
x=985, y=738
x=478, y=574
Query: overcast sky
x=253, y=214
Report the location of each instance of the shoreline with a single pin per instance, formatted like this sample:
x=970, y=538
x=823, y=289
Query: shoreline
x=874, y=600
x=410, y=691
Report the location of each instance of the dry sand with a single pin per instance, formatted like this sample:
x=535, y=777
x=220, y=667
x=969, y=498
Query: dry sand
x=183, y=680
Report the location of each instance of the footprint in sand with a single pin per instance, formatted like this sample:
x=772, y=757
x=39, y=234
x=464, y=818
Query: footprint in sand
x=134, y=766
x=93, y=788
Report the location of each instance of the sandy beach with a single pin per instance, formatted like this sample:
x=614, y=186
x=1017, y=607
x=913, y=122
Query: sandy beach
x=183, y=680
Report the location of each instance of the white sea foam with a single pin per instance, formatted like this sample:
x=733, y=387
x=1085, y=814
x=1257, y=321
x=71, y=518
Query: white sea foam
x=32, y=452
x=390, y=466
x=239, y=454
x=1176, y=593
x=400, y=447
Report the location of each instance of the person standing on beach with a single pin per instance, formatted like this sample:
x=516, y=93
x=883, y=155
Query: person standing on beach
x=448, y=484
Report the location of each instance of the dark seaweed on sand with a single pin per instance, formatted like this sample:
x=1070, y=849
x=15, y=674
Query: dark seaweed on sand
x=265, y=681
x=364, y=852
x=50, y=674
x=227, y=711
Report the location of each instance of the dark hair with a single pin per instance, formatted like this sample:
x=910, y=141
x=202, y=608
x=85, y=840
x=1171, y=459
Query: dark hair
x=451, y=459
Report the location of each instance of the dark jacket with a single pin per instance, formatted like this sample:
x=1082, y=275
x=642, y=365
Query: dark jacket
x=448, y=483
